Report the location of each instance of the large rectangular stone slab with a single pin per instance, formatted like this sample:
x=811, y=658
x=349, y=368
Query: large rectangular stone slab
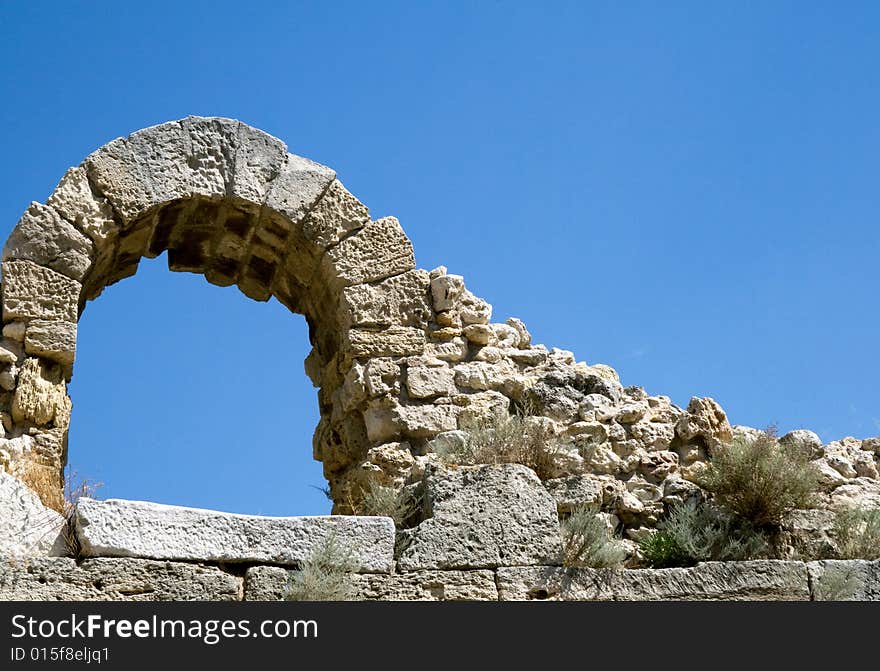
x=483, y=517
x=763, y=580
x=269, y=583
x=62, y=579
x=119, y=528
x=759, y=580
x=554, y=583
x=845, y=580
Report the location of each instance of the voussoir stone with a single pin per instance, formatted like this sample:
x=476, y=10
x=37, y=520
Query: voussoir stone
x=119, y=528
x=159, y=164
x=298, y=186
x=44, y=237
x=62, y=579
x=379, y=250
x=335, y=216
x=269, y=583
x=27, y=527
x=31, y=291
x=483, y=517
x=258, y=161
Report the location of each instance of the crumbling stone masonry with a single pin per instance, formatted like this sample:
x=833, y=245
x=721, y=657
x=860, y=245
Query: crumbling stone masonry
x=407, y=362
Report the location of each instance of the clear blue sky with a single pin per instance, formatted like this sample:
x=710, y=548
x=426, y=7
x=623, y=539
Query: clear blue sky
x=687, y=191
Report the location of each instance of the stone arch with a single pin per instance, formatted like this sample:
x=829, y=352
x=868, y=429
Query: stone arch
x=227, y=201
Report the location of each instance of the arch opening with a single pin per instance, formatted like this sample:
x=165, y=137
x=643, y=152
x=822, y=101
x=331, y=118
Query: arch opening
x=226, y=201
x=191, y=394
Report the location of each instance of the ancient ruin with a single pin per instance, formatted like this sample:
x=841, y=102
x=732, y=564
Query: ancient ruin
x=407, y=362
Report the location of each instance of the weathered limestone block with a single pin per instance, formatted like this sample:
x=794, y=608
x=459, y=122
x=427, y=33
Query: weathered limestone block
x=481, y=376
x=11, y=351
x=554, y=583
x=574, y=491
x=33, y=292
x=117, y=528
x=759, y=580
x=13, y=449
x=428, y=586
x=298, y=186
x=386, y=419
x=525, y=338
x=195, y=156
x=14, y=331
x=453, y=350
x=379, y=250
x=481, y=409
x=27, y=527
x=74, y=200
x=55, y=340
x=652, y=435
x=381, y=377
x=269, y=583
x=62, y=579
x=392, y=341
x=506, y=337
x=846, y=580
x=479, y=334
x=705, y=420
x=429, y=381
x=446, y=291
x=258, y=159
x=43, y=237
x=804, y=441
x=393, y=462
x=335, y=216
x=763, y=580
x=40, y=396
x=426, y=421
x=144, y=170
x=401, y=300
x=858, y=492
x=484, y=517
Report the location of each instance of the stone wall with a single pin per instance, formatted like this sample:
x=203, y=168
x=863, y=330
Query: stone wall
x=507, y=550
x=408, y=364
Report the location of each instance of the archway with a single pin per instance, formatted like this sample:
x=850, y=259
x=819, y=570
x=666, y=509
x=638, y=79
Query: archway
x=227, y=201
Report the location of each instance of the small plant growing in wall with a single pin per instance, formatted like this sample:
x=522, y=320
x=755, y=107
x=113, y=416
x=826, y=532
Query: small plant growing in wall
x=856, y=533
x=588, y=542
x=509, y=439
x=325, y=575
x=702, y=532
x=759, y=481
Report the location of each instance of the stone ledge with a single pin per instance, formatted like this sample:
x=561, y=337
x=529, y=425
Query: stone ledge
x=712, y=581
x=118, y=528
x=268, y=583
x=61, y=579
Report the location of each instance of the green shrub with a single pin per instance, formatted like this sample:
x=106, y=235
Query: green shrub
x=759, y=481
x=856, y=533
x=510, y=439
x=693, y=533
x=324, y=575
x=587, y=542
x=397, y=503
